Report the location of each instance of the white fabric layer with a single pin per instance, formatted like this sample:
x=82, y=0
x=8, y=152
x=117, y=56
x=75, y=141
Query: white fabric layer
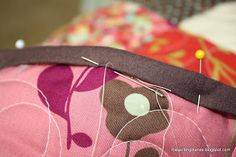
x=218, y=25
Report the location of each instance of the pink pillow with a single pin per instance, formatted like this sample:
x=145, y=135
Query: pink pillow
x=65, y=110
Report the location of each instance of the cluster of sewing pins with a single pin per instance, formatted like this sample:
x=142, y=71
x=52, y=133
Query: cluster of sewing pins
x=199, y=54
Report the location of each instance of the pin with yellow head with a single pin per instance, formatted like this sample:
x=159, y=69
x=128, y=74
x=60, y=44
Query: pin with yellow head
x=199, y=54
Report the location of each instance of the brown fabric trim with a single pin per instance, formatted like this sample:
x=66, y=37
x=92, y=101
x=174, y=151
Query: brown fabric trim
x=184, y=83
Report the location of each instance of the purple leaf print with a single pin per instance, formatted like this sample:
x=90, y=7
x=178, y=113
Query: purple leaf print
x=55, y=82
x=82, y=140
x=94, y=79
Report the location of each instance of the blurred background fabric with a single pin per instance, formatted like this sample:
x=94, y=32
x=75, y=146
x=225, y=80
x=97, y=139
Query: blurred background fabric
x=35, y=20
x=217, y=25
x=133, y=27
x=177, y=10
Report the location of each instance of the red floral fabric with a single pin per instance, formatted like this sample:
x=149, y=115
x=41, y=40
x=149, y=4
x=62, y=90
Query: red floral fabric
x=139, y=30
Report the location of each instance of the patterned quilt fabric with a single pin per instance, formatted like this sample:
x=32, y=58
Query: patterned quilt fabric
x=90, y=117
x=70, y=111
x=131, y=27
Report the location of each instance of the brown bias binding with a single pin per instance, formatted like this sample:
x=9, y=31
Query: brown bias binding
x=186, y=84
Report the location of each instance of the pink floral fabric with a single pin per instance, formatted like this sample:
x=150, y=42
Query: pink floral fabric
x=70, y=111
x=52, y=110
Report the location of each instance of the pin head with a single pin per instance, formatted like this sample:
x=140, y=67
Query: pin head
x=200, y=54
x=20, y=44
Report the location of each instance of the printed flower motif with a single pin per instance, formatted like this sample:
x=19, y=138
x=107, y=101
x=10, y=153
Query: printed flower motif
x=147, y=152
x=59, y=90
x=125, y=103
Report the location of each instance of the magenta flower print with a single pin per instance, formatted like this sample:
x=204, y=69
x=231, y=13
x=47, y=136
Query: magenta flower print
x=56, y=84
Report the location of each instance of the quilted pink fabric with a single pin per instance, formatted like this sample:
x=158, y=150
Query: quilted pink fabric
x=68, y=111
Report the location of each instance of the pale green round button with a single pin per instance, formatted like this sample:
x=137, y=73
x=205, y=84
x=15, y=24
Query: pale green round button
x=137, y=104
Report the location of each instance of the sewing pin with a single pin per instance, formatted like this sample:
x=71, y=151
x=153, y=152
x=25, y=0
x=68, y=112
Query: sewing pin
x=131, y=79
x=199, y=54
x=20, y=44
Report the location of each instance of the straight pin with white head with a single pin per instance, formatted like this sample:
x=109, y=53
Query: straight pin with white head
x=199, y=54
x=20, y=44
